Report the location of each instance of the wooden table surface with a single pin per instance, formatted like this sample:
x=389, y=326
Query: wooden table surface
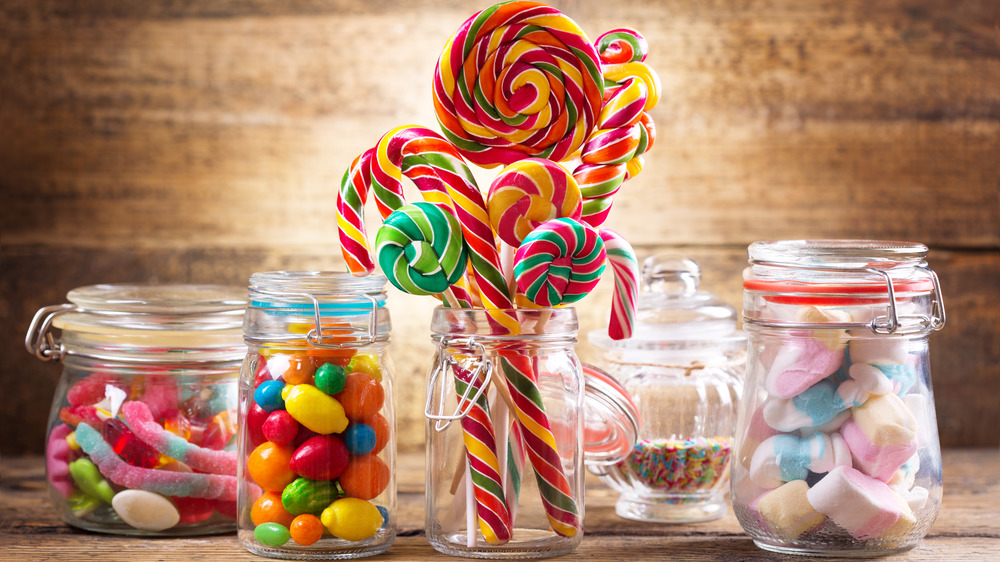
x=968, y=527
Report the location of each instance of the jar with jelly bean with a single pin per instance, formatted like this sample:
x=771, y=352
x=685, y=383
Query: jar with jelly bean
x=512, y=420
x=317, y=444
x=683, y=367
x=837, y=446
x=141, y=437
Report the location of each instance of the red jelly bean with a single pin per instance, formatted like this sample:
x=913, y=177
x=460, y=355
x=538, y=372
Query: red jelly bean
x=280, y=427
x=135, y=451
x=362, y=396
x=255, y=423
x=262, y=374
x=323, y=457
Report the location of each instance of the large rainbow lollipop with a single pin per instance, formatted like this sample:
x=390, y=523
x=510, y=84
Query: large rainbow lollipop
x=518, y=79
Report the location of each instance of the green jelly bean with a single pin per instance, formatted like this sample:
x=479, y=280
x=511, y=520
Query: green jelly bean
x=314, y=409
x=88, y=478
x=82, y=504
x=309, y=496
x=271, y=534
x=330, y=378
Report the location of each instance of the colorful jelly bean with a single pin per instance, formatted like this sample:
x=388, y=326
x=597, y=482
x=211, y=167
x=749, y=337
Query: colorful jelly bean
x=367, y=364
x=365, y=477
x=268, y=395
x=352, y=519
x=254, y=421
x=267, y=508
x=268, y=466
x=314, y=409
x=271, y=534
x=280, y=427
x=323, y=457
x=362, y=396
x=360, y=438
x=300, y=371
x=144, y=510
x=308, y=496
x=382, y=428
x=306, y=529
x=330, y=378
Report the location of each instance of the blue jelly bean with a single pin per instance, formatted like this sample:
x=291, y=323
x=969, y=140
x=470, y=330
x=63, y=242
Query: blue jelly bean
x=268, y=396
x=359, y=438
x=385, y=515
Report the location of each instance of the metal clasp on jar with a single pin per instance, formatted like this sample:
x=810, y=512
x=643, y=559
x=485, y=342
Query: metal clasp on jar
x=481, y=376
x=39, y=341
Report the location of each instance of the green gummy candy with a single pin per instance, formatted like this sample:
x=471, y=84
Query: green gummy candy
x=271, y=534
x=88, y=478
x=82, y=504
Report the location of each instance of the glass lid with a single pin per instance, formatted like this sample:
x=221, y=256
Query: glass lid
x=672, y=313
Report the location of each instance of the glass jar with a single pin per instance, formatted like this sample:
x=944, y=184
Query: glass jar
x=683, y=367
x=317, y=442
x=141, y=435
x=838, y=452
x=511, y=421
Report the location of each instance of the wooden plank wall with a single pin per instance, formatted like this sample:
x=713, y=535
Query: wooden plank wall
x=187, y=141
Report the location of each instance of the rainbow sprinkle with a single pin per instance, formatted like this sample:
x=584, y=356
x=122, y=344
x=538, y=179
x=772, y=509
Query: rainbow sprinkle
x=679, y=466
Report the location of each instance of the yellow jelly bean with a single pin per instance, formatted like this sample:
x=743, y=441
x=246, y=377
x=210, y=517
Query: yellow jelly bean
x=314, y=409
x=365, y=364
x=352, y=519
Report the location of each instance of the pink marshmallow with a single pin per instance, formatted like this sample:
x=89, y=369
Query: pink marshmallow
x=865, y=507
x=757, y=431
x=882, y=436
x=799, y=364
x=160, y=398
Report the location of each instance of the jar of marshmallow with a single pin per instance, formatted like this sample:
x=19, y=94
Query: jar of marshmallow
x=837, y=451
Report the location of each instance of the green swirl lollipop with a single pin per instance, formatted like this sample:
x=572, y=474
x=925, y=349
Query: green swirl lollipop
x=420, y=249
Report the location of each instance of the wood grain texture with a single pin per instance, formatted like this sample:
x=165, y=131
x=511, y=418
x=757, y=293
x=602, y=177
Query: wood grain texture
x=968, y=527
x=183, y=141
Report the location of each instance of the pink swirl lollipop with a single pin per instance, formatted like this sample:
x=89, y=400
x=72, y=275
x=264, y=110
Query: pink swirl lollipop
x=560, y=262
x=528, y=193
x=518, y=79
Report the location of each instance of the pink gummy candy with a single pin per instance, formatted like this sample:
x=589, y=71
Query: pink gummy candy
x=160, y=398
x=140, y=419
x=799, y=364
x=57, y=460
x=168, y=483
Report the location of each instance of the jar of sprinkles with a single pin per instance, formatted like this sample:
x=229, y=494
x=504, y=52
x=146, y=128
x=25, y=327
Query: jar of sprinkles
x=683, y=368
x=142, y=431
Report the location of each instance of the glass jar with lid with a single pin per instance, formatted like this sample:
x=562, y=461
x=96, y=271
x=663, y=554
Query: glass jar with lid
x=683, y=368
x=512, y=421
x=141, y=437
x=317, y=442
x=838, y=453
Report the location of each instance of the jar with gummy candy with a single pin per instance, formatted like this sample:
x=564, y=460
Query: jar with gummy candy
x=142, y=431
x=512, y=420
x=837, y=447
x=683, y=367
x=317, y=445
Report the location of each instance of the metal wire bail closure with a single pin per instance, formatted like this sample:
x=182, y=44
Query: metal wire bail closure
x=316, y=338
x=465, y=404
x=888, y=324
x=39, y=341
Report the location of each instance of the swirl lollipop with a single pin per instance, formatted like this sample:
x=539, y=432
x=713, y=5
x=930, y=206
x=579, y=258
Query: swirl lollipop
x=560, y=262
x=518, y=79
x=420, y=249
x=528, y=193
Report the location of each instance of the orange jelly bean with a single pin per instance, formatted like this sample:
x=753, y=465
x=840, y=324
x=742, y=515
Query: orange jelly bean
x=268, y=466
x=300, y=370
x=365, y=477
x=268, y=509
x=380, y=424
x=306, y=529
x=362, y=396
